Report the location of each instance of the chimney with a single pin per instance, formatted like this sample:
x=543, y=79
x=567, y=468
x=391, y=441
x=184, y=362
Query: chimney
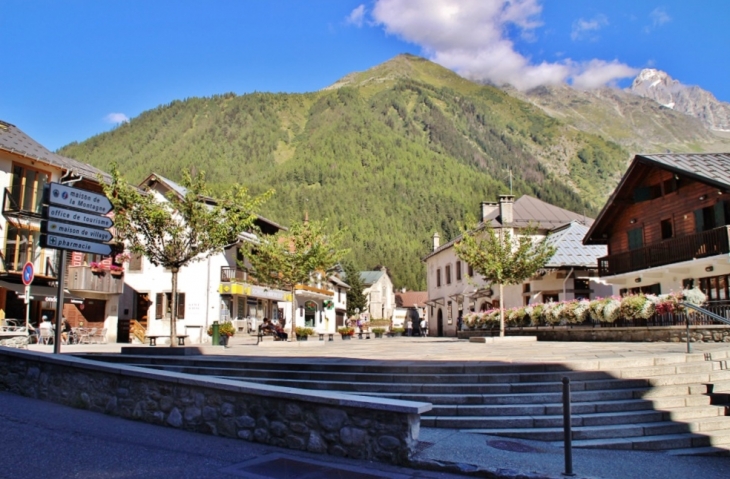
x=505, y=208
x=436, y=241
x=487, y=208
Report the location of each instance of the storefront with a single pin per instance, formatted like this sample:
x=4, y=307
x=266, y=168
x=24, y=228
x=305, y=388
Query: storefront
x=42, y=301
x=250, y=303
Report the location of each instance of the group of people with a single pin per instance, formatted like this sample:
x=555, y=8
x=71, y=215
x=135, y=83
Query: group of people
x=46, y=330
x=274, y=328
x=422, y=327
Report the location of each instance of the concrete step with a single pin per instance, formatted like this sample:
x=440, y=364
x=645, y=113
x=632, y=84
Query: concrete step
x=541, y=421
x=587, y=433
x=700, y=451
x=696, y=412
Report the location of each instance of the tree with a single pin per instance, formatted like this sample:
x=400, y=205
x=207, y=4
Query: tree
x=501, y=258
x=355, y=297
x=188, y=227
x=290, y=257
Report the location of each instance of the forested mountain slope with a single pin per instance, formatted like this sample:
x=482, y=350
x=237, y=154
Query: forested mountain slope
x=392, y=154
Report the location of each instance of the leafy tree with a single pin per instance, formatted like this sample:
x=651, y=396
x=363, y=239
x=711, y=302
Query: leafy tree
x=183, y=229
x=503, y=258
x=355, y=296
x=290, y=257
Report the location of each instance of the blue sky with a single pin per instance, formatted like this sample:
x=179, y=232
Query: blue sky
x=72, y=69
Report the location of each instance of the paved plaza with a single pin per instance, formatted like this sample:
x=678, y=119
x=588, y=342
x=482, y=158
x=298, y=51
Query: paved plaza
x=493, y=456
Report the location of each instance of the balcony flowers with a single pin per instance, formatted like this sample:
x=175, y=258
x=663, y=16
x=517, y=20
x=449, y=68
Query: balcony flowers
x=96, y=267
x=694, y=296
x=116, y=270
x=122, y=258
x=638, y=306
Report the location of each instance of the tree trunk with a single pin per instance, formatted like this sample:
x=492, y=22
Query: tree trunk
x=292, y=336
x=173, y=310
x=501, y=310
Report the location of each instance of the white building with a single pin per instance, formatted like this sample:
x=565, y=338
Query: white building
x=378, y=289
x=453, y=290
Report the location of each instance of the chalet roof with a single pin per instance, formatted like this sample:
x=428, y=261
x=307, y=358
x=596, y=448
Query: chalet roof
x=369, y=278
x=526, y=211
x=571, y=252
x=14, y=140
x=411, y=298
x=182, y=191
x=335, y=280
x=709, y=168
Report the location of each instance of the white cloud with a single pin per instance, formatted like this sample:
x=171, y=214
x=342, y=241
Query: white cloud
x=472, y=38
x=584, y=28
x=116, y=118
x=356, y=16
x=659, y=17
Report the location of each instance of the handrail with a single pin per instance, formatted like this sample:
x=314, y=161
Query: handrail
x=712, y=315
x=137, y=330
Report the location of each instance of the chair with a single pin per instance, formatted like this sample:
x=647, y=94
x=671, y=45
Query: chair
x=45, y=336
x=92, y=335
x=98, y=336
x=82, y=336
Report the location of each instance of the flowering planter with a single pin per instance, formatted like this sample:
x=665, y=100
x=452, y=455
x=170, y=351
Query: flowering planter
x=346, y=337
x=302, y=338
x=378, y=335
x=223, y=340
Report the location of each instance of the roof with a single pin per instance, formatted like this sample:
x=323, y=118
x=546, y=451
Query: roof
x=571, y=251
x=14, y=140
x=410, y=299
x=708, y=168
x=527, y=211
x=335, y=280
x=181, y=191
x=370, y=277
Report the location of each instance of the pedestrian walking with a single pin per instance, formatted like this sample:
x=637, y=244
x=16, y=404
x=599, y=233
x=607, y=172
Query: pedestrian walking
x=409, y=327
x=424, y=326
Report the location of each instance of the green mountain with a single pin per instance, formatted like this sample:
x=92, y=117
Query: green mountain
x=392, y=154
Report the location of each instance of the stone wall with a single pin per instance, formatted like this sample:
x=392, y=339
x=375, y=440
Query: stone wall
x=320, y=422
x=673, y=334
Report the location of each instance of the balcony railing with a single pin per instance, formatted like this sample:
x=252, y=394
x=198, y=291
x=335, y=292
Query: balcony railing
x=81, y=278
x=684, y=248
x=229, y=274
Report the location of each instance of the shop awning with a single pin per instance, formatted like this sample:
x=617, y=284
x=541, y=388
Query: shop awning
x=41, y=293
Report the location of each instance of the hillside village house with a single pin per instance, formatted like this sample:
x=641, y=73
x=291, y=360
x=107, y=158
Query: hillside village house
x=378, y=289
x=666, y=226
x=453, y=290
x=90, y=299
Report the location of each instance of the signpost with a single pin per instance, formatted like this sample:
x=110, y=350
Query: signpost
x=73, y=220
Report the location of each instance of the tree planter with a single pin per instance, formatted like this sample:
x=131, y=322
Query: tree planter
x=302, y=338
x=378, y=335
x=223, y=340
x=346, y=337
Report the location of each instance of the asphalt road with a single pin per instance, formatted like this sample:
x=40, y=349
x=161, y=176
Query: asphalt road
x=46, y=440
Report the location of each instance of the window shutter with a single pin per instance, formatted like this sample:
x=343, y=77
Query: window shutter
x=135, y=262
x=159, y=305
x=719, y=213
x=642, y=194
x=699, y=221
x=180, y=305
x=636, y=239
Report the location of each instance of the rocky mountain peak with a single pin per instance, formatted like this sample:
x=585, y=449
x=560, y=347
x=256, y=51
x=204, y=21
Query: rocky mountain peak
x=690, y=100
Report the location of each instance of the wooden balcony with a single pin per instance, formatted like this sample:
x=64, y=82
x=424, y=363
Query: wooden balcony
x=81, y=278
x=676, y=250
x=229, y=275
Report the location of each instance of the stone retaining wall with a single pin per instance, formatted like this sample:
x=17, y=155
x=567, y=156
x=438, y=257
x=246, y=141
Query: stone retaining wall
x=672, y=334
x=320, y=422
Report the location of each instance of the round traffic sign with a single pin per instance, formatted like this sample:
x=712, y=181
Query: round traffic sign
x=28, y=273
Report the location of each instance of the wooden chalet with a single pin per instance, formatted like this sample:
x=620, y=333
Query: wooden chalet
x=666, y=225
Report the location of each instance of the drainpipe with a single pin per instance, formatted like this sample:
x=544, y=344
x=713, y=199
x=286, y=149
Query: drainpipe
x=566, y=280
x=207, y=302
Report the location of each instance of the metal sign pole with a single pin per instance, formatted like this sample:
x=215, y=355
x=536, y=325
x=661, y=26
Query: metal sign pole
x=27, y=306
x=59, y=303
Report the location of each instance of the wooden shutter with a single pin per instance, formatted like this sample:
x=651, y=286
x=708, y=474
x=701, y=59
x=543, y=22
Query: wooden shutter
x=699, y=221
x=719, y=213
x=180, y=305
x=159, y=305
x=636, y=238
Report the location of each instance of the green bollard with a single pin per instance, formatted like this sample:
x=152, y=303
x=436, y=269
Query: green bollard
x=216, y=335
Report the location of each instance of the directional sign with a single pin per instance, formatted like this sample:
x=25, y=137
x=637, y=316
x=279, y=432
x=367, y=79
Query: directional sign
x=77, y=231
x=63, y=214
x=28, y=273
x=62, y=242
x=76, y=198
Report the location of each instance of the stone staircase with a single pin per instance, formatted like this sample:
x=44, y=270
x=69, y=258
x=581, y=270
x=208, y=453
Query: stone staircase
x=677, y=403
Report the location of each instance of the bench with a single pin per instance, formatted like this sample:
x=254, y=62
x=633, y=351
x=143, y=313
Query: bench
x=180, y=339
x=331, y=336
x=262, y=333
x=366, y=333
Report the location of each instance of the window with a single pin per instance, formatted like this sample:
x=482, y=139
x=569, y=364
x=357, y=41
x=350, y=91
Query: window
x=581, y=288
x=163, y=305
x=636, y=238
x=26, y=189
x=447, y=272
x=470, y=271
x=716, y=287
x=646, y=193
x=458, y=271
x=135, y=262
x=550, y=297
x=23, y=245
x=339, y=295
x=526, y=288
x=667, y=230
x=671, y=185
x=712, y=216
x=438, y=278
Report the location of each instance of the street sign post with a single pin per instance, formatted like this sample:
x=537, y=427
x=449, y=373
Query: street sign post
x=77, y=199
x=76, y=231
x=63, y=242
x=71, y=216
x=28, y=275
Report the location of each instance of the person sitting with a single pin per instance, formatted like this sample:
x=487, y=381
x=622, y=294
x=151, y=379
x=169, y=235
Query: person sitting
x=275, y=329
x=46, y=330
x=280, y=332
x=66, y=332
